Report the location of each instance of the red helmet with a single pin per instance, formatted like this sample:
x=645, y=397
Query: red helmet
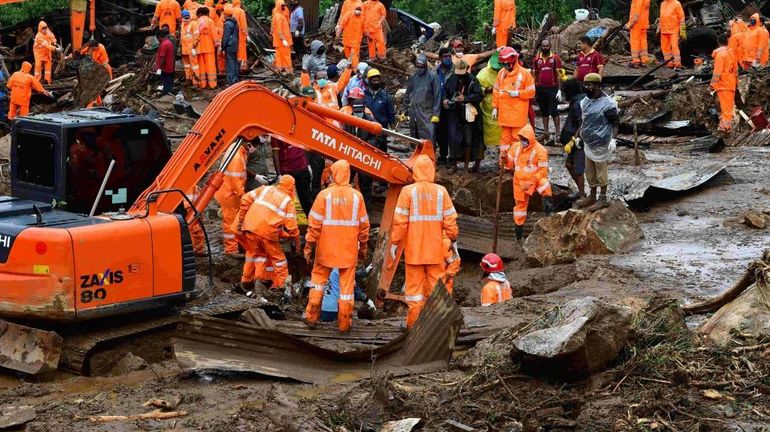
x=491, y=263
x=508, y=55
x=356, y=93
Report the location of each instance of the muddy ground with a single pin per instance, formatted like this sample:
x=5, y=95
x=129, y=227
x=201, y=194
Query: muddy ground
x=666, y=379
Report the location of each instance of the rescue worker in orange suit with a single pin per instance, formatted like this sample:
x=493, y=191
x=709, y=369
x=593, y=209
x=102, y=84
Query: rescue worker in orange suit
x=735, y=43
x=424, y=215
x=724, y=82
x=637, y=25
x=196, y=231
x=497, y=289
x=504, y=19
x=351, y=27
x=243, y=27
x=347, y=7
x=511, y=96
x=21, y=84
x=191, y=6
x=764, y=43
x=528, y=160
x=671, y=28
x=98, y=54
x=219, y=26
x=189, y=36
x=167, y=12
x=452, y=264
x=229, y=197
x=281, y=39
x=374, y=21
x=327, y=91
x=266, y=216
x=43, y=48
x=337, y=237
x=754, y=43
x=204, y=49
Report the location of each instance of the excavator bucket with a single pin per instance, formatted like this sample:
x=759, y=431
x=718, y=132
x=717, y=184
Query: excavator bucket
x=27, y=349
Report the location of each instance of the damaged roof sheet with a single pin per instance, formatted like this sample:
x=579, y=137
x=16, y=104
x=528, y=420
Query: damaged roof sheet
x=644, y=191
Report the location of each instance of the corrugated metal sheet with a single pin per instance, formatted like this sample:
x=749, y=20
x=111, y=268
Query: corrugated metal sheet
x=312, y=14
x=644, y=191
x=207, y=344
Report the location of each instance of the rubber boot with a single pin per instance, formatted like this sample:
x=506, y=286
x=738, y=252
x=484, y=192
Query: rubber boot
x=587, y=201
x=519, y=232
x=602, y=201
x=344, y=316
x=313, y=310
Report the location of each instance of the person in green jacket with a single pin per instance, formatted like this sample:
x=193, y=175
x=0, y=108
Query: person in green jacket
x=487, y=78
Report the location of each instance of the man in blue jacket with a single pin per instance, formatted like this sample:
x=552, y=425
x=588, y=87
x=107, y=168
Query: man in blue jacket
x=230, y=45
x=332, y=294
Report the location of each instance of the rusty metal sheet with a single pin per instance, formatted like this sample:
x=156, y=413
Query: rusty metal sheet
x=205, y=344
x=29, y=350
x=642, y=192
x=92, y=79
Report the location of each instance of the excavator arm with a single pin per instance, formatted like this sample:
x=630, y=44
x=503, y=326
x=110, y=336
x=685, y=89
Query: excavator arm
x=248, y=110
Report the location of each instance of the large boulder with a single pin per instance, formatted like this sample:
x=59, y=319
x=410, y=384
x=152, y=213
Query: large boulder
x=748, y=315
x=565, y=236
x=587, y=335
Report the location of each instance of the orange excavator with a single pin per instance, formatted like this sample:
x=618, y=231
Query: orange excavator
x=58, y=267
x=78, y=10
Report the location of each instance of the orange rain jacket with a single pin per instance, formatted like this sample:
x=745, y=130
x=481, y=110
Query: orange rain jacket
x=281, y=29
x=99, y=55
x=513, y=111
x=737, y=28
x=21, y=84
x=235, y=176
x=374, y=14
x=352, y=26
x=754, y=43
x=206, y=31
x=189, y=36
x=505, y=13
x=338, y=222
x=192, y=7
x=168, y=12
x=45, y=43
x=495, y=292
x=424, y=214
x=725, y=70
x=671, y=16
x=268, y=211
x=639, y=17
x=530, y=164
x=349, y=6
x=243, y=26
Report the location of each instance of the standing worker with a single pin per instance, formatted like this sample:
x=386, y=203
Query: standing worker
x=546, y=66
x=204, y=49
x=423, y=97
x=487, y=78
x=380, y=103
x=589, y=60
x=671, y=28
x=597, y=132
x=735, y=42
x=514, y=88
x=281, y=36
x=724, y=82
x=243, y=37
x=351, y=27
x=43, y=48
x=424, y=215
x=504, y=20
x=462, y=95
x=164, y=61
x=229, y=196
x=528, y=160
x=337, y=237
x=297, y=27
x=374, y=28
x=167, y=12
x=754, y=43
x=576, y=156
x=191, y=6
x=265, y=217
x=230, y=42
x=189, y=36
x=637, y=25
x=347, y=7
x=21, y=85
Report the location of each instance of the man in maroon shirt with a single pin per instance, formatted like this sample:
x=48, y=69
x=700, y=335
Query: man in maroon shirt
x=164, y=61
x=589, y=60
x=293, y=162
x=546, y=67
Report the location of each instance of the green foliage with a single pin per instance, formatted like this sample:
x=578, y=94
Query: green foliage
x=15, y=13
x=259, y=7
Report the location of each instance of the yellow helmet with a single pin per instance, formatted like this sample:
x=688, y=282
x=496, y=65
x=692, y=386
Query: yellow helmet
x=372, y=73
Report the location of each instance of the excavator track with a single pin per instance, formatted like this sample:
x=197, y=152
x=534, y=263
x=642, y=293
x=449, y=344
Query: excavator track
x=81, y=341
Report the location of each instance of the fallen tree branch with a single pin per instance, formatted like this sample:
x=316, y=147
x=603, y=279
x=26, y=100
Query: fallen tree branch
x=153, y=415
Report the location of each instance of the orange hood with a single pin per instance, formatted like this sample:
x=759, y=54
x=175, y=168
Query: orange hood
x=528, y=133
x=41, y=25
x=756, y=19
x=341, y=173
x=286, y=184
x=236, y=3
x=26, y=67
x=228, y=10
x=424, y=170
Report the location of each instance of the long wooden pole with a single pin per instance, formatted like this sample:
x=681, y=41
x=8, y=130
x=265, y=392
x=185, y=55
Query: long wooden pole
x=497, y=210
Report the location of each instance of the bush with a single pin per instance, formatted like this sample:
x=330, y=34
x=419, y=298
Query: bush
x=15, y=13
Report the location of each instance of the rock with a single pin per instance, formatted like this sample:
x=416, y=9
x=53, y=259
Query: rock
x=586, y=336
x=748, y=315
x=754, y=219
x=128, y=363
x=11, y=416
x=570, y=234
x=570, y=35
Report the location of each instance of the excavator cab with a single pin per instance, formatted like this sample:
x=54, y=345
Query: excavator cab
x=62, y=158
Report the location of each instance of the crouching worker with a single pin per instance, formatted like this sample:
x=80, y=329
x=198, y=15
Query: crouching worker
x=330, y=304
x=497, y=288
x=266, y=216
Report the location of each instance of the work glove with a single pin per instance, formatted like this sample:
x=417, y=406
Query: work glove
x=494, y=113
x=613, y=144
x=434, y=119
x=59, y=49
x=296, y=33
x=392, y=261
x=568, y=146
x=262, y=180
x=194, y=53
x=157, y=72
x=309, y=252
x=683, y=32
x=755, y=64
x=343, y=64
x=494, y=31
x=285, y=43
x=559, y=96
x=370, y=303
x=513, y=93
x=49, y=94
x=455, y=251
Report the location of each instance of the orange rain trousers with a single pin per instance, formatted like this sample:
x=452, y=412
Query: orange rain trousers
x=669, y=45
x=261, y=254
x=420, y=281
x=639, y=54
x=319, y=277
x=377, y=46
x=726, y=106
x=208, y=70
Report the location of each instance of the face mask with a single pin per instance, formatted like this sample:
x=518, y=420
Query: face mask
x=509, y=66
x=358, y=12
x=375, y=85
x=753, y=22
x=421, y=70
x=321, y=50
x=322, y=82
x=446, y=62
x=459, y=54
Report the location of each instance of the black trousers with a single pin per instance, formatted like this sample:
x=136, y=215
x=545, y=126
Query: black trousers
x=167, y=78
x=304, y=189
x=299, y=45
